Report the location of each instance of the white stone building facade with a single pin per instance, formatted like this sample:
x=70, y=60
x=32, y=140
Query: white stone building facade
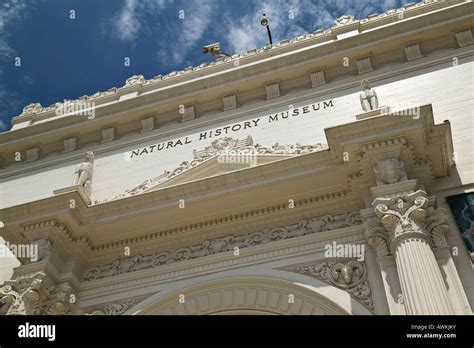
x=262, y=183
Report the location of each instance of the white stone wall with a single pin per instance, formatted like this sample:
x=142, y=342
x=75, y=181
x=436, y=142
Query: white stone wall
x=6, y=263
x=448, y=88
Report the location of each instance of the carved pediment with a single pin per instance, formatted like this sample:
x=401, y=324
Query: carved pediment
x=222, y=156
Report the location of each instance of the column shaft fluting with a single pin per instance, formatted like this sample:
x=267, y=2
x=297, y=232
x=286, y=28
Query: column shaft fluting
x=424, y=291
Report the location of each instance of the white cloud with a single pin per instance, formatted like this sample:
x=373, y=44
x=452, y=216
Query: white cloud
x=198, y=16
x=239, y=30
x=285, y=22
x=9, y=11
x=289, y=19
x=184, y=32
x=127, y=22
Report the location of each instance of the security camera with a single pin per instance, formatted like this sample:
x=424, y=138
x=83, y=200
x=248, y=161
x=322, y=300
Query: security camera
x=212, y=49
x=264, y=20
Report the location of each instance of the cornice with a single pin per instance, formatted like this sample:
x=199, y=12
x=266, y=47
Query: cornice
x=235, y=218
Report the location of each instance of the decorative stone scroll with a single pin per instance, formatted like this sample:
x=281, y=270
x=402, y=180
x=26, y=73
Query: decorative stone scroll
x=116, y=308
x=225, y=145
x=402, y=215
x=34, y=295
x=32, y=108
x=348, y=275
x=135, y=80
x=304, y=227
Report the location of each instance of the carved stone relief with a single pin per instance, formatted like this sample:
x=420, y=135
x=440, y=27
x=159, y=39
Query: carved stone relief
x=225, y=145
x=116, y=308
x=390, y=171
x=344, y=20
x=32, y=108
x=35, y=295
x=348, y=275
x=219, y=245
x=403, y=215
x=134, y=80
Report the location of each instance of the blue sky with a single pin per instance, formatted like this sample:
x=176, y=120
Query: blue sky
x=65, y=58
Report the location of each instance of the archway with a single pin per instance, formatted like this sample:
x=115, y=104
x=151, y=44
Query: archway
x=242, y=295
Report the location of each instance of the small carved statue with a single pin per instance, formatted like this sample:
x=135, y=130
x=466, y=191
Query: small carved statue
x=83, y=173
x=368, y=97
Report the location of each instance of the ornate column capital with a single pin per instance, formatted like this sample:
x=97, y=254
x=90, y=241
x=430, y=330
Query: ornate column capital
x=403, y=216
x=34, y=294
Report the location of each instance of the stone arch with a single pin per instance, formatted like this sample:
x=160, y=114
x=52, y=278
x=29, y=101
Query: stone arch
x=241, y=295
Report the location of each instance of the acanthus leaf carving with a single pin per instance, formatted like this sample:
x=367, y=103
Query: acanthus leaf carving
x=377, y=237
x=437, y=225
x=405, y=215
x=402, y=215
x=33, y=295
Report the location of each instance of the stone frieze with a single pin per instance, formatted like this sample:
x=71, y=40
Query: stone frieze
x=228, y=243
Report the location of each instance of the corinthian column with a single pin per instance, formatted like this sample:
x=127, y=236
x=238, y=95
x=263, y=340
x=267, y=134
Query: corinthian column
x=423, y=287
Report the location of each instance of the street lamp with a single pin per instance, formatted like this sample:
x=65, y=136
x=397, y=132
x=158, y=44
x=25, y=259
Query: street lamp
x=264, y=22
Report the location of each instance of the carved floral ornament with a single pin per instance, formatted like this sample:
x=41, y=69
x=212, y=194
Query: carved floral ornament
x=33, y=295
x=405, y=216
x=227, y=146
x=348, y=275
x=225, y=244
